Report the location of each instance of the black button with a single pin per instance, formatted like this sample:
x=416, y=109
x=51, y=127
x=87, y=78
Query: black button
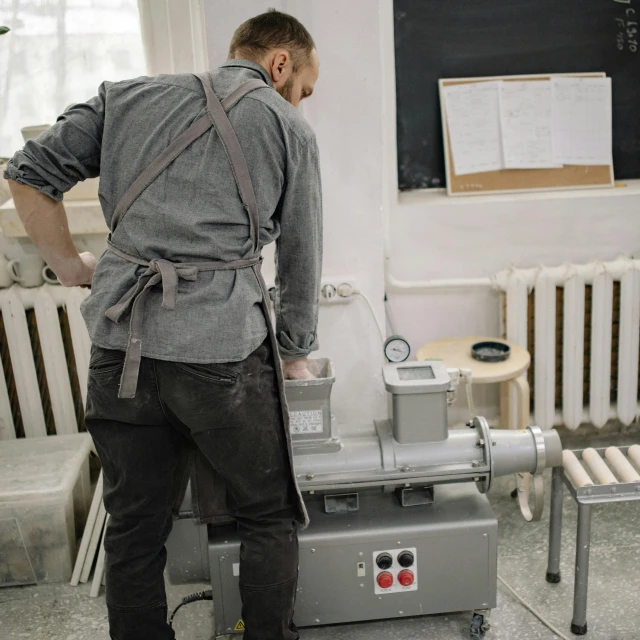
x=406, y=559
x=384, y=561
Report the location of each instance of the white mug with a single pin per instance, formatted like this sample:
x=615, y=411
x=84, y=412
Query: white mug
x=27, y=271
x=5, y=279
x=49, y=276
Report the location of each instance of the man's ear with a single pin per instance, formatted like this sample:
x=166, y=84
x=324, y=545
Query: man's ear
x=278, y=64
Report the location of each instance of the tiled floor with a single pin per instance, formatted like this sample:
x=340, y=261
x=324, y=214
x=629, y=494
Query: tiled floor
x=61, y=612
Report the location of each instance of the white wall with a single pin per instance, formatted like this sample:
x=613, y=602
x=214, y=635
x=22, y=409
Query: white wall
x=345, y=112
x=433, y=236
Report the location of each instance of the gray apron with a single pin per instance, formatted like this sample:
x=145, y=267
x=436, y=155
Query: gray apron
x=166, y=274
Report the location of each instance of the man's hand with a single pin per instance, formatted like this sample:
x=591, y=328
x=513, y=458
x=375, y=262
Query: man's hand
x=78, y=272
x=297, y=369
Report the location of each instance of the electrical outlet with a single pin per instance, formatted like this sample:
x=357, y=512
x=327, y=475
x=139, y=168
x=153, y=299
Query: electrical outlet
x=333, y=289
x=337, y=289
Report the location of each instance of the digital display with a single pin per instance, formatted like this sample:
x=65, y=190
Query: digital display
x=415, y=373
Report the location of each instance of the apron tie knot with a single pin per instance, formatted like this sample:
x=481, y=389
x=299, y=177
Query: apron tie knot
x=167, y=274
x=157, y=272
x=170, y=273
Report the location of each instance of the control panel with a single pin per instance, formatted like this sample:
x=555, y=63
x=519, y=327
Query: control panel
x=395, y=571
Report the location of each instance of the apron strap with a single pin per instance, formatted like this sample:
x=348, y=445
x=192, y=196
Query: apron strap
x=237, y=94
x=235, y=154
x=157, y=166
x=198, y=128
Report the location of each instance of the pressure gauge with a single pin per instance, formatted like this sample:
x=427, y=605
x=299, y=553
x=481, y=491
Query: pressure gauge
x=396, y=349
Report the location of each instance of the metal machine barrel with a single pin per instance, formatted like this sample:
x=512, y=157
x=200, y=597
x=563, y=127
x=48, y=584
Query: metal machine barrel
x=513, y=452
x=380, y=460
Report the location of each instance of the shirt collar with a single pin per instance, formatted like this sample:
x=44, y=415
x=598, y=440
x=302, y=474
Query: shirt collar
x=249, y=64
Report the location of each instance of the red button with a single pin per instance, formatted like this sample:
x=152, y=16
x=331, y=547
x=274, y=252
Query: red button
x=405, y=578
x=385, y=580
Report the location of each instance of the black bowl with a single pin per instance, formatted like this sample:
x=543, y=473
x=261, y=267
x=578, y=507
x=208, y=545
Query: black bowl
x=490, y=351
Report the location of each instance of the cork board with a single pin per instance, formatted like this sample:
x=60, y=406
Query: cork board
x=518, y=180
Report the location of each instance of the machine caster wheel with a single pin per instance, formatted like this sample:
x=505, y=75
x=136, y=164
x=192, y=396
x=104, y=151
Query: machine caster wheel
x=478, y=627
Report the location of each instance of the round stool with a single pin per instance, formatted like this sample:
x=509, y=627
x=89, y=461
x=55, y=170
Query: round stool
x=456, y=353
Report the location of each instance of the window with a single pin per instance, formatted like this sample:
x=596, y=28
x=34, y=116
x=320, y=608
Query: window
x=57, y=53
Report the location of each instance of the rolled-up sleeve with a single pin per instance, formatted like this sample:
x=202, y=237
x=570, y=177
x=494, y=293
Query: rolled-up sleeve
x=66, y=153
x=299, y=254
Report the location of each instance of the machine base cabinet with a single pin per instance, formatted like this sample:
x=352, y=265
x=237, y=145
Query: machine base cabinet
x=364, y=565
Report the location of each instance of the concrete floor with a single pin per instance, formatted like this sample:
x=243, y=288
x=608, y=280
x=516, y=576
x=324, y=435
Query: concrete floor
x=62, y=612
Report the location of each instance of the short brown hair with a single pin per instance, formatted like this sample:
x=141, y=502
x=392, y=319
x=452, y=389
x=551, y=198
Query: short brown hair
x=272, y=30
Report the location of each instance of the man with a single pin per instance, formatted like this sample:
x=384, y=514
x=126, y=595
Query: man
x=181, y=353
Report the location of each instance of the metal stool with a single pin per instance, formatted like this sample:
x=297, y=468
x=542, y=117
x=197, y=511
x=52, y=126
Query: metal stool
x=606, y=488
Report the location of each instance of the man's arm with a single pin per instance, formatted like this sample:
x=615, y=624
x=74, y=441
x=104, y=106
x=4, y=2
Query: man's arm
x=45, y=222
x=44, y=170
x=299, y=261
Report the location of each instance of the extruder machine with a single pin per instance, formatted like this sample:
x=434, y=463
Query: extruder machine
x=400, y=521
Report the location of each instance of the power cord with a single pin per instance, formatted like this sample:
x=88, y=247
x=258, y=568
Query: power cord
x=466, y=374
x=468, y=381
x=373, y=315
x=529, y=608
x=390, y=321
x=346, y=291
x=208, y=595
x=194, y=597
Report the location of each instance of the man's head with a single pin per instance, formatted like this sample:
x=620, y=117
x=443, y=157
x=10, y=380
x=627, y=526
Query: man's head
x=283, y=46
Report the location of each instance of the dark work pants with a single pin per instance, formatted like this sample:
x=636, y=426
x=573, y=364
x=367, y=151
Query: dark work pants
x=232, y=413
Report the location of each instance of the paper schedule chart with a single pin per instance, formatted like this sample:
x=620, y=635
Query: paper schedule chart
x=543, y=124
x=582, y=125
x=473, y=114
x=526, y=125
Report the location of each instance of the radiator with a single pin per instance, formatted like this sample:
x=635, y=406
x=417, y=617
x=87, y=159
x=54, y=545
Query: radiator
x=581, y=324
x=44, y=349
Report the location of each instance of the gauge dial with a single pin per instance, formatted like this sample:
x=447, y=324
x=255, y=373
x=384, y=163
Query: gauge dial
x=396, y=349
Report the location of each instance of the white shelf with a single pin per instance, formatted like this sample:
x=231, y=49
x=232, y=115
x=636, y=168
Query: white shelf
x=439, y=196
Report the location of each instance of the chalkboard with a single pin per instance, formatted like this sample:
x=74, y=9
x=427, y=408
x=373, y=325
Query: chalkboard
x=472, y=38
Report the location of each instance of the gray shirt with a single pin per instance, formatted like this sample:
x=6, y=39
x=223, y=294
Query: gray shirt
x=192, y=211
